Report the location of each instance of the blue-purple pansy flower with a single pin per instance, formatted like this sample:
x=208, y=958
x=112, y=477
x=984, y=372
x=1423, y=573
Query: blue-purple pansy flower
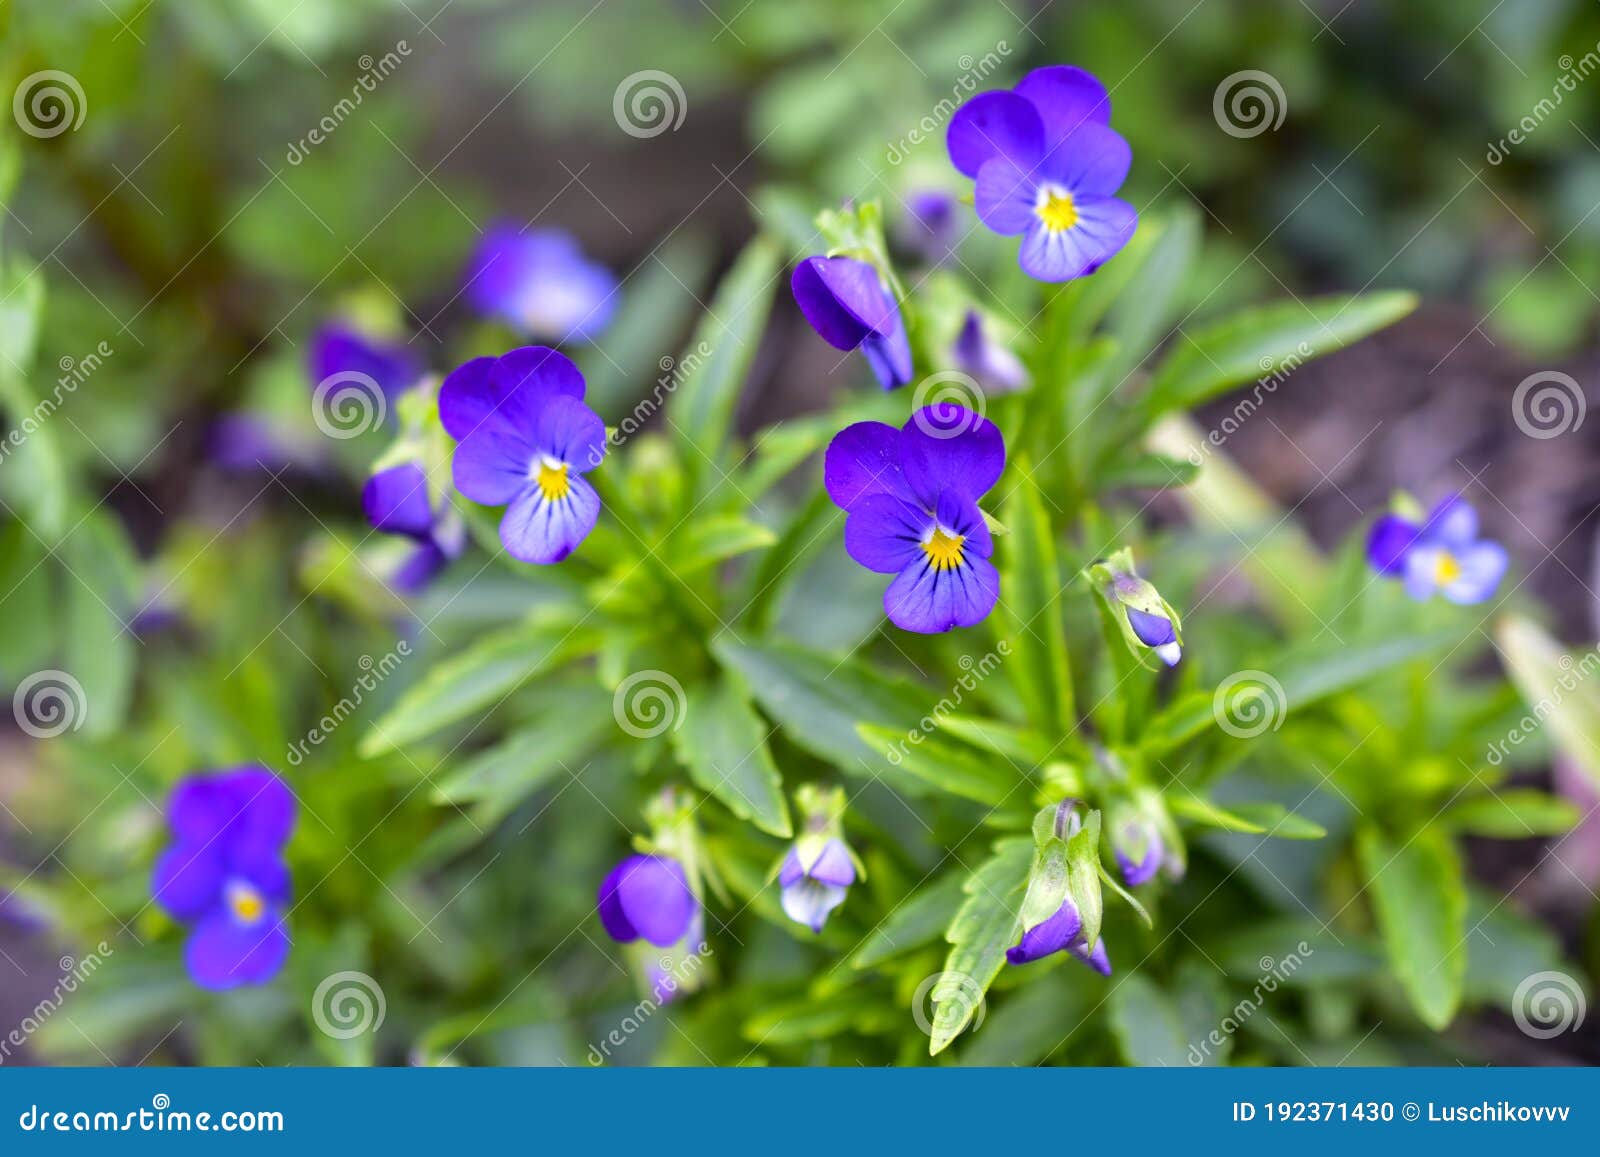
x=343, y=354
x=992, y=365
x=815, y=876
x=525, y=440
x=540, y=282
x=850, y=307
x=1061, y=932
x=1046, y=165
x=911, y=495
x=1443, y=554
x=397, y=501
x=225, y=875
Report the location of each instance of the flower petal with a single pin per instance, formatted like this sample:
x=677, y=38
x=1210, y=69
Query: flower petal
x=884, y=533
x=541, y=530
x=525, y=380
x=465, y=398
x=844, y=300
x=1091, y=161
x=810, y=901
x=1052, y=935
x=863, y=459
x=541, y=281
x=1483, y=565
x=245, y=802
x=339, y=349
x=791, y=872
x=994, y=124
x=948, y=447
x=396, y=501
x=834, y=866
x=955, y=511
x=1065, y=97
x=1388, y=541
x=1453, y=522
x=571, y=432
x=1151, y=630
x=652, y=896
x=223, y=953
x=889, y=355
x=187, y=879
x=1104, y=226
x=1095, y=959
x=929, y=601
x=492, y=464
x=1005, y=196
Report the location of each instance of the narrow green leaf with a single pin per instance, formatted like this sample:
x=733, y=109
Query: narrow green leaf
x=35, y=474
x=100, y=650
x=476, y=680
x=944, y=766
x=705, y=542
x=1021, y=744
x=1513, y=814
x=724, y=345
x=723, y=744
x=1031, y=610
x=1557, y=688
x=1257, y=343
x=1143, y=310
x=920, y=918
x=987, y=924
x=1254, y=818
x=1421, y=903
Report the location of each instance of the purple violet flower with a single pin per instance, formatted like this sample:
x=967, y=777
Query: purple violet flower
x=912, y=499
x=339, y=350
x=931, y=226
x=1062, y=932
x=648, y=897
x=815, y=876
x=848, y=304
x=1139, y=849
x=225, y=875
x=525, y=440
x=995, y=368
x=396, y=501
x=540, y=282
x=1444, y=554
x=1046, y=163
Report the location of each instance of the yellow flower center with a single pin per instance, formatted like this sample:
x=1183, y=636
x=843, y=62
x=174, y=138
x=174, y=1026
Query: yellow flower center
x=943, y=550
x=552, y=479
x=246, y=904
x=1056, y=209
x=1447, y=569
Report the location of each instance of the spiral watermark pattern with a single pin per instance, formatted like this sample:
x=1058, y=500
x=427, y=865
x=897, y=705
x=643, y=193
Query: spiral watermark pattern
x=348, y=1004
x=49, y=103
x=1249, y=703
x=348, y=404
x=1548, y=404
x=648, y=703
x=49, y=703
x=956, y=400
x=1249, y=103
x=946, y=988
x=1547, y=1004
x=649, y=103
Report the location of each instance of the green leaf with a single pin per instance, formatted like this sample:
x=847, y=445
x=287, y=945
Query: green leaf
x=987, y=924
x=1008, y=740
x=1557, y=688
x=34, y=471
x=1083, y=876
x=1513, y=814
x=1147, y=1024
x=1257, y=343
x=1421, y=905
x=1255, y=818
x=1146, y=471
x=704, y=542
x=1031, y=609
x=477, y=680
x=723, y=346
x=1142, y=311
x=943, y=765
x=723, y=744
x=100, y=650
x=1128, y=897
x=915, y=921
x=819, y=700
x=1257, y=701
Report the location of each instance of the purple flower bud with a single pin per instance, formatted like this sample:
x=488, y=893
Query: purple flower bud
x=1157, y=633
x=815, y=877
x=649, y=897
x=996, y=368
x=848, y=305
x=1139, y=850
x=1062, y=932
x=397, y=501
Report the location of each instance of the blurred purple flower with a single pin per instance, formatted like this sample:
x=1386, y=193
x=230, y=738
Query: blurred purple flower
x=540, y=282
x=648, y=897
x=396, y=501
x=340, y=351
x=930, y=229
x=225, y=876
x=1443, y=555
x=995, y=368
x=814, y=878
